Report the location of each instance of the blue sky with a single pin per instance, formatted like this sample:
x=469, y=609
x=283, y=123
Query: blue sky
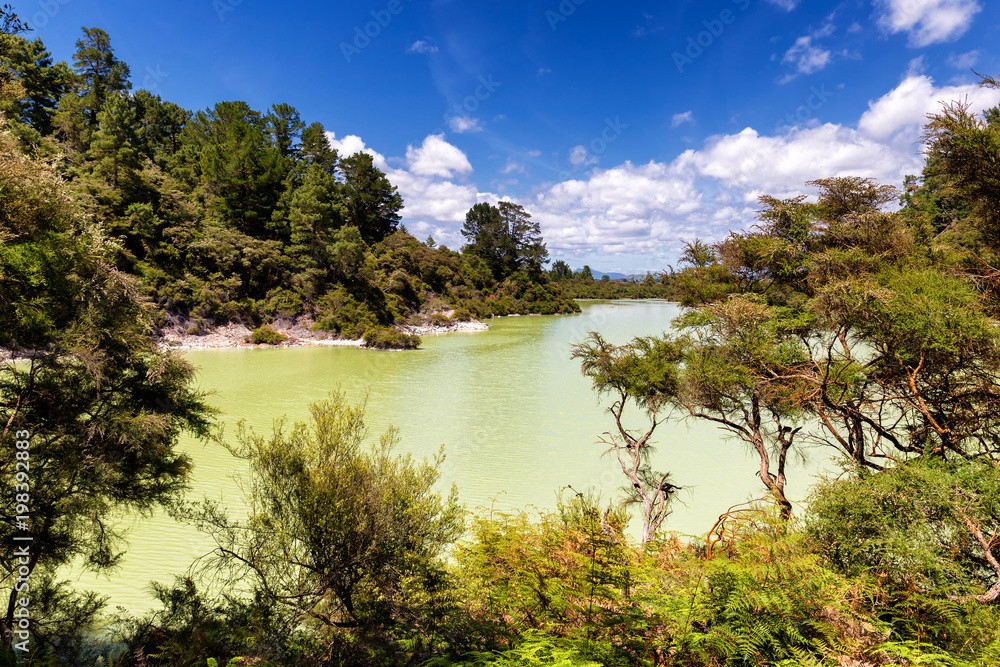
x=626, y=128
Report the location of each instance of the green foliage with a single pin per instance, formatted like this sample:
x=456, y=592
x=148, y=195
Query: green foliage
x=266, y=335
x=506, y=239
x=341, y=313
x=387, y=338
x=535, y=651
x=84, y=377
x=343, y=534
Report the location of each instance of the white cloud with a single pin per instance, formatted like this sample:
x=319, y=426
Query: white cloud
x=965, y=60
x=422, y=47
x=648, y=211
x=579, y=157
x=928, y=21
x=436, y=157
x=352, y=144
x=901, y=112
x=513, y=167
x=787, y=5
x=464, y=124
x=806, y=56
x=643, y=213
x=682, y=118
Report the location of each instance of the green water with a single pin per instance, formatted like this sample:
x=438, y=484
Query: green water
x=517, y=419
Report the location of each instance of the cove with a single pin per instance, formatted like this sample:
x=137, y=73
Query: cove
x=517, y=420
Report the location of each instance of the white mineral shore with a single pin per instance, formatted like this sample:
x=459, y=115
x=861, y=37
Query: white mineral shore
x=234, y=336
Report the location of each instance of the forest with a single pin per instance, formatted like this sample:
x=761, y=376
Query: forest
x=862, y=319
x=236, y=215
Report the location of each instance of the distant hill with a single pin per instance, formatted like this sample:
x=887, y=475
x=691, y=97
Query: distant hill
x=599, y=275
x=631, y=277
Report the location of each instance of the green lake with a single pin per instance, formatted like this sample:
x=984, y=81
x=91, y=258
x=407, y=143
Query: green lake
x=517, y=420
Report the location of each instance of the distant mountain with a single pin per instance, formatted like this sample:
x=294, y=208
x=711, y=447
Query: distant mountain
x=599, y=275
x=630, y=278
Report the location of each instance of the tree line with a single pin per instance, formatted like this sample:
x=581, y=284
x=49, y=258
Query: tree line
x=231, y=214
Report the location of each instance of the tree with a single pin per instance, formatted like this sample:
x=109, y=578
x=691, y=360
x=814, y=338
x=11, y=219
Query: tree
x=96, y=406
x=10, y=23
x=316, y=210
x=506, y=238
x=285, y=126
x=114, y=143
x=742, y=370
x=99, y=72
x=963, y=149
x=903, y=525
x=344, y=535
x=373, y=202
x=560, y=271
x=44, y=82
x=646, y=374
x=239, y=166
x=160, y=126
x=698, y=254
x=316, y=149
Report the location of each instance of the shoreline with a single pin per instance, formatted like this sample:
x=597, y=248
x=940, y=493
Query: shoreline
x=234, y=336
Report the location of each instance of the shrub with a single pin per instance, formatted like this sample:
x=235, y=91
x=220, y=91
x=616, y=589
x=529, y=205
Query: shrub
x=387, y=338
x=345, y=315
x=266, y=335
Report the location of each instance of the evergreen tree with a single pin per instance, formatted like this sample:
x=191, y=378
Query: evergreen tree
x=284, y=127
x=506, y=238
x=114, y=143
x=239, y=166
x=373, y=202
x=44, y=82
x=99, y=72
x=316, y=149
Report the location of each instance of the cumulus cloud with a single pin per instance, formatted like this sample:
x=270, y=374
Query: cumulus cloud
x=422, y=47
x=901, y=112
x=352, y=144
x=645, y=212
x=928, y=21
x=650, y=210
x=436, y=157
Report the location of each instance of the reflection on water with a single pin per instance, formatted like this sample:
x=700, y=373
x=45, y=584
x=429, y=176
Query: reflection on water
x=517, y=419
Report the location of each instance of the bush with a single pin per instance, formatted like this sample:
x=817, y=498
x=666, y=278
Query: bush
x=266, y=335
x=343, y=314
x=387, y=338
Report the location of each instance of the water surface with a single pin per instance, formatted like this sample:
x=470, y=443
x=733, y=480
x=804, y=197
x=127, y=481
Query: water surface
x=517, y=419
